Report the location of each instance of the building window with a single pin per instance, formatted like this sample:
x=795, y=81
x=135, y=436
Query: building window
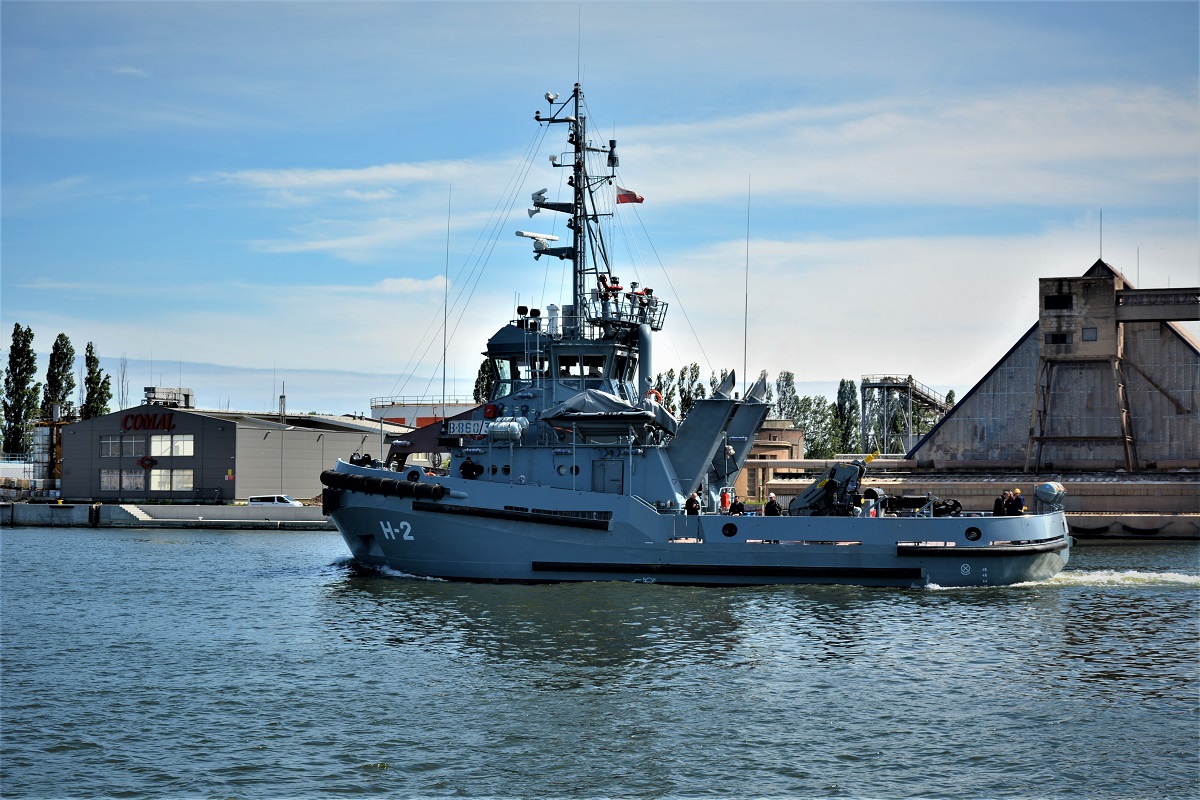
x=1058, y=338
x=179, y=444
x=167, y=480
x=1089, y=334
x=116, y=480
x=116, y=446
x=1058, y=302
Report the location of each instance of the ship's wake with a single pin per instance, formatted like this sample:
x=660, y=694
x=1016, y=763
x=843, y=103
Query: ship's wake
x=1112, y=577
x=1090, y=577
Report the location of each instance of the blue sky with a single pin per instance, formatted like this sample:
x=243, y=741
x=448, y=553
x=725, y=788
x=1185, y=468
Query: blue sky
x=237, y=195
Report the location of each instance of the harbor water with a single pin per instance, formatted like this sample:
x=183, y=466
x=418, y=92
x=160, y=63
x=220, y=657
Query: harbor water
x=227, y=664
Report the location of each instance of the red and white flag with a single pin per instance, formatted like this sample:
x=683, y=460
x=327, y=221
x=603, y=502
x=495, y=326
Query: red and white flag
x=626, y=196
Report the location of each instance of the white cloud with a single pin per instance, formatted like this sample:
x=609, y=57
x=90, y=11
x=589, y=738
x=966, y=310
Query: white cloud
x=1063, y=144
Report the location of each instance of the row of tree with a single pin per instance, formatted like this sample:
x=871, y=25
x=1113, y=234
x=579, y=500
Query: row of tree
x=26, y=400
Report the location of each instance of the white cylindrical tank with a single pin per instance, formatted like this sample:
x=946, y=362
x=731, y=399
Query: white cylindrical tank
x=508, y=429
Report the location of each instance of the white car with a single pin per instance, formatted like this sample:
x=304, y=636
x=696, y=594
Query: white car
x=272, y=500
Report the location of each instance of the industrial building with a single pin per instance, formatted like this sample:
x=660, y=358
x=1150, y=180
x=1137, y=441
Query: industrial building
x=166, y=451
x=1105, y=380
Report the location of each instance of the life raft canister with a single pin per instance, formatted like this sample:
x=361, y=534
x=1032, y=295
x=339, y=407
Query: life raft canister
x=726, y=495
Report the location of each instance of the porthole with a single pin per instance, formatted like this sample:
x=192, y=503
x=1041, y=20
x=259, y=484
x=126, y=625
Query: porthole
x=729, y=529
x=973, y=534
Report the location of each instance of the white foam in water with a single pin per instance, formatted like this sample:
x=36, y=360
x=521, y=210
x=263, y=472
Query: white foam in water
x=395, y=573
x=1133, y=577
x=1094, y=577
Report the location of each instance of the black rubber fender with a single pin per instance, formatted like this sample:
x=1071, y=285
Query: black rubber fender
x=387, y=487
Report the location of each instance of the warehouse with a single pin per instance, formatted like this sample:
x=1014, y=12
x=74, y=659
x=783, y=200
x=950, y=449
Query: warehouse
x=170, y=453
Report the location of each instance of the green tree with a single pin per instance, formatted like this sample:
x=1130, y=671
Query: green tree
x=483, y=382
x=786, y=402
x=20, y=390
x=950, y=398
x=97, y=386
x=691, y=388
x=814, y=416
x=714, y=382
x=60, y=377
x=846, y=419
x=664, y=383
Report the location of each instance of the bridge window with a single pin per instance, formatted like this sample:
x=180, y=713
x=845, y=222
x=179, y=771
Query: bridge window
x=1058, y=338
x=1090, y=334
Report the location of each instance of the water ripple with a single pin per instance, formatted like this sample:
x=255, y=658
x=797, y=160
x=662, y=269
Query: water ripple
x=256, y=665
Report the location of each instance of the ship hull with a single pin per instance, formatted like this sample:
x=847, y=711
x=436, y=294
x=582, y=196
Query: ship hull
x=500, y=532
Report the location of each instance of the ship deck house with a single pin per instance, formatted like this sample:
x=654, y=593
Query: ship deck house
x=159, y=453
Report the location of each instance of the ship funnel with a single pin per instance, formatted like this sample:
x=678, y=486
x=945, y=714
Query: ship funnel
x=645, y=362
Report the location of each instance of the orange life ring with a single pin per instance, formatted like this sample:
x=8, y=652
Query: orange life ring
x=656, y=394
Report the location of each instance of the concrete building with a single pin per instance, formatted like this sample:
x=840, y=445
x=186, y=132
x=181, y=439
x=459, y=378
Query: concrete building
x=166, y=453
x=1104, y=381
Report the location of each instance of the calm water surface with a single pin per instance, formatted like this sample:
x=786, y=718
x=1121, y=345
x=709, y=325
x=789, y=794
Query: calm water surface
x=147, y=664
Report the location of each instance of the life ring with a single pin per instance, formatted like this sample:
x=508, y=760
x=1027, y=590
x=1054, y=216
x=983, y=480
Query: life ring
x=147, y=462
x=656, y=394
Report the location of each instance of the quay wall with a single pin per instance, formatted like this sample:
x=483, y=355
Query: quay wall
x=72, y=515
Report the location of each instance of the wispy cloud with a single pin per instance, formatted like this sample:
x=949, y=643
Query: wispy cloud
x=137, y=71
x=1066, y=144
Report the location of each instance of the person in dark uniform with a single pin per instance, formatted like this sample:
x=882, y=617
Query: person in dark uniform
x=773, y=508
x=1000, y=507
x=692, y=506
x=737, y=508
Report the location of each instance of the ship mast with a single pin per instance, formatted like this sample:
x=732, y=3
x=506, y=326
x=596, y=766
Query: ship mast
x=579, y=216
x=595, y=295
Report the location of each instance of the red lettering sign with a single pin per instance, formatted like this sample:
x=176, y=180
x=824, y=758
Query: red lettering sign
x=148, y=422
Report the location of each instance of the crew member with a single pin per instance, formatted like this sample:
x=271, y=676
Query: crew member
x=692, y=506
x=773, y=508
x=737, y=508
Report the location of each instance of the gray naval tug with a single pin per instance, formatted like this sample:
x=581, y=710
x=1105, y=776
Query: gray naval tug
x=574, y=471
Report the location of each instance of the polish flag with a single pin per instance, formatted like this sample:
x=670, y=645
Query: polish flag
x=626, y=196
